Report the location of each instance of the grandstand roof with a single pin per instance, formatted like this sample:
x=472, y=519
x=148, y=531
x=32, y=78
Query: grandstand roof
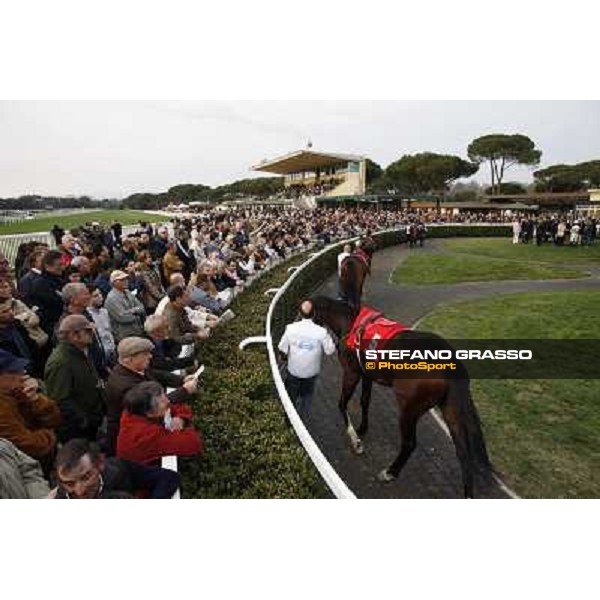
x=303, y=160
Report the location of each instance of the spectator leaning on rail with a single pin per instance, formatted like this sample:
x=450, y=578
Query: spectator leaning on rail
x=199, y=316
x=152, y=428
x=125, y=310
x=85, y=474
x=181, y=329
x=27, y=417
x=302, y=345
x=21, y=476
x=72, y=381
x=165, y=354
x=134, y=355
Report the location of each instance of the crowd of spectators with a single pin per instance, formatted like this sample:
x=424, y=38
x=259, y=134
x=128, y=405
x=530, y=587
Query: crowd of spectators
x=295, y=191
x=94, y=386
x=556, y=230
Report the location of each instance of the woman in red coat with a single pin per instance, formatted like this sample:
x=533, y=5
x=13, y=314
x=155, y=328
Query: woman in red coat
x=151, y=427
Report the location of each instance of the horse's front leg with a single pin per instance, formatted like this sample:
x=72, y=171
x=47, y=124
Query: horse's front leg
x=349, y=383
x=365, y=400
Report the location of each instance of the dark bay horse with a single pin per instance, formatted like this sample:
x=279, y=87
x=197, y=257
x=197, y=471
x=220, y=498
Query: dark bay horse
x=414, y=396
x=354, y=271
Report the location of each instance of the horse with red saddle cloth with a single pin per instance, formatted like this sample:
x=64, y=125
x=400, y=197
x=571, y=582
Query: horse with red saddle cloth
x=361, y=329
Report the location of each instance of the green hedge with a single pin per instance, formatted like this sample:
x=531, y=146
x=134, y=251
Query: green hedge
x=251, y=451
x=448, y=231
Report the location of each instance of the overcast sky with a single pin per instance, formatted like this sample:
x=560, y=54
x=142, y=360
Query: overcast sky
x=113, y=149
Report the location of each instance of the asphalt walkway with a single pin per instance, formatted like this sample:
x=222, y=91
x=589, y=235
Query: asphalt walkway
x=433, y=470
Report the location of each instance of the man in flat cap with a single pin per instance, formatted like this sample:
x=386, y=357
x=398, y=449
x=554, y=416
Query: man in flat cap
x=72, y=381
x=134, y=355
x=126, y=312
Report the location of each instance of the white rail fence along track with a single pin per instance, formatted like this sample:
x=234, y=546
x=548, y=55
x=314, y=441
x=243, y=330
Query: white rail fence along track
x=301, y=283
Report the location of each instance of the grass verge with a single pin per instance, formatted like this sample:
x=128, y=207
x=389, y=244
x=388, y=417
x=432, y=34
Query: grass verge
x=426, y=268
x=504, y=248
x=543, y=435
x=67, y=221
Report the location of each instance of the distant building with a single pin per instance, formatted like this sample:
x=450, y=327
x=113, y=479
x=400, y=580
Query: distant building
x=309, y=174
x=592, y=208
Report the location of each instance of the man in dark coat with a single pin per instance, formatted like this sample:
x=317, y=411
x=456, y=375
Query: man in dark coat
x=72, y=381
x=26, y=283
x=57, y=233
x=186, y=256
x=46, y=291
x=158, y=244
x=117, y=230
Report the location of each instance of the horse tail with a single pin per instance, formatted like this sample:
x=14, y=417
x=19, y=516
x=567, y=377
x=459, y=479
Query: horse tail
x=467, y=432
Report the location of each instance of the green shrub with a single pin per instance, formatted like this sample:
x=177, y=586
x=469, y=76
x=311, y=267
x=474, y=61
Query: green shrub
x=448, y=231
x=251, y=451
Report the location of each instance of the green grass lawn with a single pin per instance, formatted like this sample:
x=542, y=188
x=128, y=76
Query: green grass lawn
x=425, y=268
x=504, y=248
x=67, y=221
x=543, y=435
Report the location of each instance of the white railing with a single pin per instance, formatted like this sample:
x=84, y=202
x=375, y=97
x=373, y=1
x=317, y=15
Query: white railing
x=170, y=462
x=335, y=483
x=328, y=473
x=9, y=244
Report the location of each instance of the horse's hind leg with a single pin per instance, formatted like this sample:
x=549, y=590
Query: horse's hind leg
x=408, y=431
x=462, y=450
x=365, y=399
x=349, y=383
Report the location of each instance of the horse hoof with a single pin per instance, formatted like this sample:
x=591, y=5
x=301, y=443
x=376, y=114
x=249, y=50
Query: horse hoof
x=358, y=447
x=385, y=477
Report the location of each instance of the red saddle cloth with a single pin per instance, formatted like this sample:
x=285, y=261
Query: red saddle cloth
x=370, y=324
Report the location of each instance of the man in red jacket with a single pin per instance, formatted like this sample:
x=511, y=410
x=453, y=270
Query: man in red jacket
x=151, y=427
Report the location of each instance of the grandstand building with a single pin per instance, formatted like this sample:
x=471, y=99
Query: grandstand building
x=310, y=174
x=592, y=208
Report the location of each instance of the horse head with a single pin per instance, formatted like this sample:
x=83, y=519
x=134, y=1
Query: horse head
x=336, y=315
x=369, y=246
